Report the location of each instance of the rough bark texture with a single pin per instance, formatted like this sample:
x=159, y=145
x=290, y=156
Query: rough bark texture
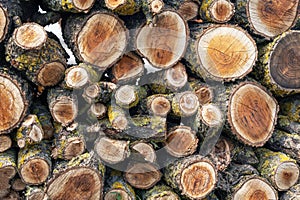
x=99, y=92
x=160, y=192
x=74, y=6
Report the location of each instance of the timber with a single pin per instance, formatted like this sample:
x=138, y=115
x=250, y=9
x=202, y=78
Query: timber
x=5, y=142
x=74, y=6
x=8, y=169
x=35, y=193
x=144, y=150
x=99, y=92
x=158, y=105
x=219, y=11
x=185, y=104
x=189, y=9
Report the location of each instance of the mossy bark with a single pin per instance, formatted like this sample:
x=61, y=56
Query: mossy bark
x=159, y=192
x=67, y=6
x=99, y=92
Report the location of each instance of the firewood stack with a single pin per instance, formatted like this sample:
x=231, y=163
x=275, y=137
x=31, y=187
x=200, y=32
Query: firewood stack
x=188, y=99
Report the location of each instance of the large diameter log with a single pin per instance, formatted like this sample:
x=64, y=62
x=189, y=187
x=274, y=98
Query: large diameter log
x=4, y=21
x=160, y=192
x=219, y=11
x=292, y=193
x=265, y=18
x=34, y=164
x=252, y=113
x=14, y=94
x=40, y=57
x=80, y=178
x=164, y=42
x=74, y=6
x=278, y=168
x=279, y=68
x=194, y=176
x=99, y=39
x=5, y=142
x=8, y=170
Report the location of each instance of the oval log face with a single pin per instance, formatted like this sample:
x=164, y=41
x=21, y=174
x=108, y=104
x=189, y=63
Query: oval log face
x=286, y=175
x=222, y=11
x=271, y=18
x=3, y=23
x=285, y=61
x=51, y=74
x=35, y=171
x=83, y=5
x=252, y=114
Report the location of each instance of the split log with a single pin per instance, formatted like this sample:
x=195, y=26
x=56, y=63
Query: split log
x=34, y=163
x=62, y=105
x=278, y=68
x=97, y=111
x=218, y=11
x=15, y=95
x=5, y=143
x=74, y=6
x=160, y=192
x=265, y=18
x=17, y=184
x=181, y=141
x=164, y=42
x=185, y=104
x=35, y=193
x=124, y=7
x=80, y=178
x=252, y=113
x=7, y=170
x=222, y=53
x=99, y=39
x=189, y=9
x=99, y=92
x=195, y=176
x=221, y=154
x=281, y=171
x=292, y=193
x=128, y=96
x=40, y=57
x=142, y=175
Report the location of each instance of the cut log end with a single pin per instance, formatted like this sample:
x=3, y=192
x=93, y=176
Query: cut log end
x=255, y=188
x=38, y=195
x=76, y=77
x=164, y=43
x=7, y=172
x=142, y=175
x=188, y=10
x=18, y=185
x=36, y=134
x=30, y=36
x=204, y=94
x=226, y=52
x=188, y=104
x=98, y=110
x=117, y=194
x=270, y=19
x=83, y=5
x=176, y=76
x=74, y=148
x=4, y=21
x=126, y=96
x=286, y=175
x=5, y=142
x=160, y=106
x=252, y=113
x=35, y=171
x=284, y=65
x=146, y=150
x=156, y=6
x=221, y=11
x=102, y=40
x=113, y=4
x=211, y=115
x=181, y=141
x=51, y=74
x=198, y=179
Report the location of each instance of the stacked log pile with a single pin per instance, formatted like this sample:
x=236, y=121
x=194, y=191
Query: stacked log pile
x=218, y=118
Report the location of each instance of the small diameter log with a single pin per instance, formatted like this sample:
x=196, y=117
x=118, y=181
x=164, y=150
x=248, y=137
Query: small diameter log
x=142, y=150
x=7, y=170
x=243, y=154
x=99, y=39
x=62, y=105
x=117, y=117
x=163, y=43
x=181, y=141
x=278, y=168
x=194, y=176
x=292, y=193
x=34, y=164
x=18, y=185
x=185, y=104
x=35, y=193
x=160, y=192
x=267, y=19
x=30, y=131
x=128, y=69
x=74, y=6
x=189, y=9
x=218, y=11
x=110, y=150
x=123, y=7
x=12, y=195
x=142, y=175
x=279, y=66
x=97, y=111
x=158, y=105
x=211, y=115
x=68, y=143
x=4, y=22
x=204, y=92
x=221, y=154
x=40, y=57
x=15, y=95
x=151, y=8
x=128, y=96
x=78, y=76
x=252, y=113
x=80, y=178
x=5, y=142
x=224, y=53
x=99, y=92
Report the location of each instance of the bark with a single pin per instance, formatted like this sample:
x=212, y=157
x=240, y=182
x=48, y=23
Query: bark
x=194, y=176
x=160, y=192
x=73, y=6
x=80, y=178
x=117, y=117
x=189, y=9
x=281, y=171
x=292, y=193
x=140, y=150
x=46, y=18
x=243, y=154
x=99, y=92
x=151, y=8
x=221, y=154
x=99, y=39
x=218, y=11
x=5, y=143
x=40, y=58
x=203, y=91
x=35, y=193
x=164, y=43
x=124, y=7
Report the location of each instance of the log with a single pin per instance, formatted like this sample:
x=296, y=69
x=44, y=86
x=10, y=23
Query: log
x=124, y=7
x=164, y=43
x=252, y=113
x=117, y=117
x=194, y=176
x=128, y=96
x=185, y=104
x=39, y=57
x=34, y=164
x=80, y=178
x=189, y=9
x=151, y=8
x=15, y=95
x=12, y=195
x=278, y=68
x=281, y=171
x=35, y=193
x=7, y=170
x=45, y=19
x=142, y=150
x=218, y=11
x=267, y=19
x=97, y=111
x=99, y=92
x=181, y=141
x=160, y=192
x=243, y=154
x=142, y=175
x=158, y=105
x=203, y=91
x=5, y=143
x=221, y=154
x=292, y=193
x=73, y=6
x=99, y=39
x=17, y=184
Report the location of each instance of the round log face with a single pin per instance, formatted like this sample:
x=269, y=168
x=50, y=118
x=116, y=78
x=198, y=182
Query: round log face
x=65, y=110
x=226, y=52
x=113, y=4
x=188, y=103
x=12, y=105
x=284, y=64
x=165, y=43
x=117, y=194
x=271, y=18
x=102, y=40
x=286, y=175
x=83, y=5
x=51, y=74
x=5, y=142
x=252, y=114
x=211, y=115
x=76, y=77
x=77, y=183
x=221, y=11
x=146, y=150
x=74, y=148
x=3, y=23
x=160, y=106
x=35, y=171
x=177, y=76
